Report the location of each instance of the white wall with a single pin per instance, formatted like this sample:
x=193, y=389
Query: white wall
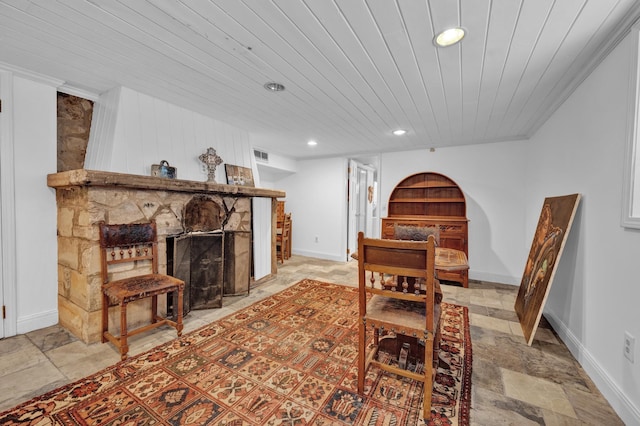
x=594, y=297
x=316, y=198
x=131, y=131
x=35, y=150
x=275, y=169
x=491, y=176
x=492, y=179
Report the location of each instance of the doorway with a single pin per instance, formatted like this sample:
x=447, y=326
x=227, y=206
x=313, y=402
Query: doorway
x=7, y=214
x=362, y=202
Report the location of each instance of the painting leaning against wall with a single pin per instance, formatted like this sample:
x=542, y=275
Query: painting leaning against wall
x=551, y=233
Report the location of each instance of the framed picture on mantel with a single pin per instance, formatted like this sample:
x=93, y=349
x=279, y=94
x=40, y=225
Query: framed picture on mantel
x=237, y=175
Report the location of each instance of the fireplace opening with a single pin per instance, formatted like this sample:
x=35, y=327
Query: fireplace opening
x=212, y=262
x=202, y=213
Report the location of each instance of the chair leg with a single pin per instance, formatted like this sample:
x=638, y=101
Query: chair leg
x=105, y=316
x=287, y=251
x=362, y=373
x=428, y=379
x=124, y=346
x=280, y=253
x=154, y=309
x=436, y=351
x=179, y=319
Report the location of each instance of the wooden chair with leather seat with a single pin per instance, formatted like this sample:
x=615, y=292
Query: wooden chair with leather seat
x=136, y=245
x=390, y=306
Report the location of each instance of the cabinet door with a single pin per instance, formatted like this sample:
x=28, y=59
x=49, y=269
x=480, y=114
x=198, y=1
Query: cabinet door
x=387, y=229
x=453, y=241
x=454, y=235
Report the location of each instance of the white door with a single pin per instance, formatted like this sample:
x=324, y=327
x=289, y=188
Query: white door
x=361, y=200
x=368, y=197
x=352, y=206
x=4, y=81
x=365, y=200
x=361, y=203
x=1, y=270
x=8, y=319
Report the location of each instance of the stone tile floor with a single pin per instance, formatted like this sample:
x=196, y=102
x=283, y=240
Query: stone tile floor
x=512, y=383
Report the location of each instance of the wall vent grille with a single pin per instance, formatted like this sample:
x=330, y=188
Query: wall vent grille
x=261, y=156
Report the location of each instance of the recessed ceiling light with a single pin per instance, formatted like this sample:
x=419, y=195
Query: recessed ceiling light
x=312, y=143
x=449, y=37
x=274, y=87
x=399, y=132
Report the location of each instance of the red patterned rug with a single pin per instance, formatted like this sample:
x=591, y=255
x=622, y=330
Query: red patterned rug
x=289, y=359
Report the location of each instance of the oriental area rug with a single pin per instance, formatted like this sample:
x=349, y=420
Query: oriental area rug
x=289, y=359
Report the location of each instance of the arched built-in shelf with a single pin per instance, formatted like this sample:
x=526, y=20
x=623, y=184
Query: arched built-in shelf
x=431, y=199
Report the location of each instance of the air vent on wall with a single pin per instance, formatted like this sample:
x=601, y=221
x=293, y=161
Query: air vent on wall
x=261, y=156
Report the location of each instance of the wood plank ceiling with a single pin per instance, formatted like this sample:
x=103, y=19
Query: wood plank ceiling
x=354, y=70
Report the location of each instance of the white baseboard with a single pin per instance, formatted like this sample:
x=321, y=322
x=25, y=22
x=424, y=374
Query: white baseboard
x=318, y=255
x=623, y=406
x=37, y=321
x=494, y=278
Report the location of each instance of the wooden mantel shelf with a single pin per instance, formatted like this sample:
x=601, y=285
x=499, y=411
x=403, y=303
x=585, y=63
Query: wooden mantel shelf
x=82, y=177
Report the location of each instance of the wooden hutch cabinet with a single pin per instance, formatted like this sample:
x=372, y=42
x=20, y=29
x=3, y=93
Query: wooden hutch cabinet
x=431, y=199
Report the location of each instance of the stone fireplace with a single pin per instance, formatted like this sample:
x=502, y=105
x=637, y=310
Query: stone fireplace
x=86, y=197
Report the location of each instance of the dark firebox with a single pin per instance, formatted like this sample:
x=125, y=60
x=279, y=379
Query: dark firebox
x=211, y=261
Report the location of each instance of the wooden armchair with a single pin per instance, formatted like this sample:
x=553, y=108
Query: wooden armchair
x=397, y=298
x=137, y=246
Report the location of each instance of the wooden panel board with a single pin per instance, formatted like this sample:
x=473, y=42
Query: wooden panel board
x=548, y=243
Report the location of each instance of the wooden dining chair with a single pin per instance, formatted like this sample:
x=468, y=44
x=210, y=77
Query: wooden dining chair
x=287, y=253
x=129, y=265
x=283, y=239
x=396, y=281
